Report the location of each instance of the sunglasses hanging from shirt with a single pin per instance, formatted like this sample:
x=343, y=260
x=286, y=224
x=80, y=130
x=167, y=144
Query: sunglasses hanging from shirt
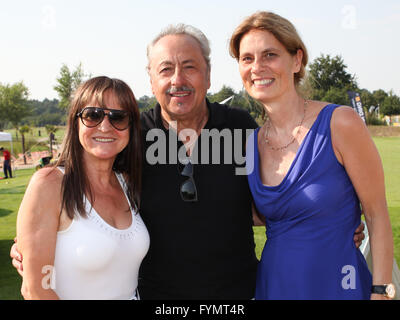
x=188, y=187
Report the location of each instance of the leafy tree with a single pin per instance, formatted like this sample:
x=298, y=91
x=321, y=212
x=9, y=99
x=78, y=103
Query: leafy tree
x=326, y=72
x=305, y=87
x=13, y=103
x=368, y=99
x=45, y=106
x=68, y=81
x=379, y=96
x=221, y=95
x=145, y=102
x=3, y=120
x=51, y=130
x=390, y=105
x=51, y=118
x=45, y=112
x=255, y=108
x=328, y=79
x=336, y=95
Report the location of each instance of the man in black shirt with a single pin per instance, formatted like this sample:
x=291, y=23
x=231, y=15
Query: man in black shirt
x=198, y=214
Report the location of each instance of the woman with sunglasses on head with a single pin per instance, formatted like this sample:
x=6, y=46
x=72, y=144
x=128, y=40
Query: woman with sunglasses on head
x=78, y=228
x=313, y=164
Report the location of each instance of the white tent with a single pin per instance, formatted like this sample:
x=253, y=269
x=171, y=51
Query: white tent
x=5, y=136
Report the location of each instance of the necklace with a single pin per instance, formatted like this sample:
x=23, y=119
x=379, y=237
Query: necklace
x=294, y=137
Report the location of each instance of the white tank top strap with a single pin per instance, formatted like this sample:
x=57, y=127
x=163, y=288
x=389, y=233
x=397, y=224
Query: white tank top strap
x=124, y=186
x=62, y=169
x=122, y=182
x=93, y=215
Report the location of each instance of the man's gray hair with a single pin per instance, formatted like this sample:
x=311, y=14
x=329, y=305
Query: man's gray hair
x=183, y=29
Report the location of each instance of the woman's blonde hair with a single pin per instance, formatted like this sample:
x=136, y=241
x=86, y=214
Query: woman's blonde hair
x=281, y=28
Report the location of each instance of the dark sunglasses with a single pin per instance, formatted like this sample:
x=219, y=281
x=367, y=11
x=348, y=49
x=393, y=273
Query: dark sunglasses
x=188, y=187
x=93, y=116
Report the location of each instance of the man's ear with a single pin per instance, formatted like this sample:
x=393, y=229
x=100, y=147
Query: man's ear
x=151, y=81
x=208, y=78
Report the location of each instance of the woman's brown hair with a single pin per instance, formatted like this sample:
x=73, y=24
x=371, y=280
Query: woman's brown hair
x=75, y=184
x=281, y=28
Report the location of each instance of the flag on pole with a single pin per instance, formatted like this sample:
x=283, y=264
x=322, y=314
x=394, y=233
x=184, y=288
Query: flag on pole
x=356, y=103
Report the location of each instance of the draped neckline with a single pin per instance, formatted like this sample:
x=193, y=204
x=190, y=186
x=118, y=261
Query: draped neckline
x=293, y=164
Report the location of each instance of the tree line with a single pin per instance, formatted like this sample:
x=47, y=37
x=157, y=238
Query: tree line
x=327, y=79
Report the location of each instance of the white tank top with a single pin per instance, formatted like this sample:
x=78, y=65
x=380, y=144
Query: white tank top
x=94, y=260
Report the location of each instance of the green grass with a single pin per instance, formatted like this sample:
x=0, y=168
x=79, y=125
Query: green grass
x=389, y=149
x=12, y=191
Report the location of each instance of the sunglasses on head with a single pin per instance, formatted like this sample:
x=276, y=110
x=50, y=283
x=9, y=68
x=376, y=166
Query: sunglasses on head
x=93, y=116
x=188, y=187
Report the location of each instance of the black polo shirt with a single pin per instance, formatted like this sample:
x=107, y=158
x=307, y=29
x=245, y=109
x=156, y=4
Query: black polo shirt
x=203, y=249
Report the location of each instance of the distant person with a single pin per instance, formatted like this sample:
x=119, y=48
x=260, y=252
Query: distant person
x=314, y=164
x=7, y=163
x=80, y=218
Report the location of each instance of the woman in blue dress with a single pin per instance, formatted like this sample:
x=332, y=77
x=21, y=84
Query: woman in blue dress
x=310, y=166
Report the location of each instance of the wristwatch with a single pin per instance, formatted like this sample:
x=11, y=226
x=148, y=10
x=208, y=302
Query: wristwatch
x=388, y=290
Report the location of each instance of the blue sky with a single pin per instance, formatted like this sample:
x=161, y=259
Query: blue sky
x=110, y=37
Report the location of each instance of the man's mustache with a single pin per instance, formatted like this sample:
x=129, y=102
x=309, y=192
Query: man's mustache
x=173, y=90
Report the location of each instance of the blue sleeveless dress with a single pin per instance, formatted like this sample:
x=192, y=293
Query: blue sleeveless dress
x=311, y=217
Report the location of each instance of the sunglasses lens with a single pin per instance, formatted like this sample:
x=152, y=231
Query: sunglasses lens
x=119, y=119
x=188, y=191
x=187, y=170
x=188, y=188
x=91, y=117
